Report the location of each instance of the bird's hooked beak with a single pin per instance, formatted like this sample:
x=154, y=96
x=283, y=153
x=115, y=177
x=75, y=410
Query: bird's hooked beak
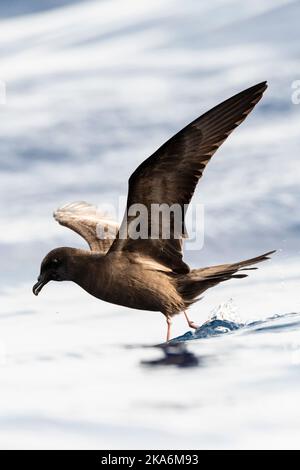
x=42, y=281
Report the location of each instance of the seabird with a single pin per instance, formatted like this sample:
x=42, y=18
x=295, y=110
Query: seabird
x=149, y=273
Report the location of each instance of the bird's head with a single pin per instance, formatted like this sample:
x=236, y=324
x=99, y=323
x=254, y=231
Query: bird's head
x=54, y=267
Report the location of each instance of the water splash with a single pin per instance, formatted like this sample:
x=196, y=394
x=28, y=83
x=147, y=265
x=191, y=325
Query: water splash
x=223, y=319
x=227, y=311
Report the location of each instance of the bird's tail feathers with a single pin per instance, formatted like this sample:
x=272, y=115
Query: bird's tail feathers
x=197, y=281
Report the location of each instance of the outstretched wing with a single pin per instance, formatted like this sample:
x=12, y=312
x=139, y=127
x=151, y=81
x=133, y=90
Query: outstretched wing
x=85, y=219
x=171, y=174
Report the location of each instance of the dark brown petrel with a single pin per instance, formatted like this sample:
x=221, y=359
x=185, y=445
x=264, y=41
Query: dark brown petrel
x=149, y=273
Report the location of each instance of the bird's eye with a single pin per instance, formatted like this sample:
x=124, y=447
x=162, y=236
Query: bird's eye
x=55, y=261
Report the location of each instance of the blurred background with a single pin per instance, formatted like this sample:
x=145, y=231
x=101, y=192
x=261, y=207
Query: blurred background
x=92, y=89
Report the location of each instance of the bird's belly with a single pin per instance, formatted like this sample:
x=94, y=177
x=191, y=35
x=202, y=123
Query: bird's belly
x=140, y=289
x=134, y=293
x=140, y=302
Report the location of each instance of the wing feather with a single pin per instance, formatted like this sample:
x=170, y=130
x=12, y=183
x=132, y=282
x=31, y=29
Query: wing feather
x=171, y=174
x=95, y=227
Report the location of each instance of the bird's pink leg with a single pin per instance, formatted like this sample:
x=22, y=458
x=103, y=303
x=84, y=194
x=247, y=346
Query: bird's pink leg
x=190, y=322
x=169, y=323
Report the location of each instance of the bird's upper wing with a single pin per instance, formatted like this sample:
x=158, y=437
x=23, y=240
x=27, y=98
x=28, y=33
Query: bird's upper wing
x=171, y=174
x=85, y=219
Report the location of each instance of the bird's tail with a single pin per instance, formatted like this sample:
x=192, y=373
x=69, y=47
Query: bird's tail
x=197, y=281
